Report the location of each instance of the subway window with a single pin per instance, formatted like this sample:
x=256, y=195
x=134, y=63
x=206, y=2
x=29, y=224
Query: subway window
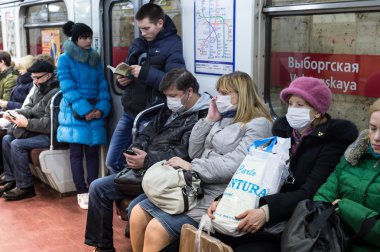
x=1, y=36
x=10, y=32
x=123, y=27
x=342, y=49
x=172, y=8
x=44, y=28
x=122, y=30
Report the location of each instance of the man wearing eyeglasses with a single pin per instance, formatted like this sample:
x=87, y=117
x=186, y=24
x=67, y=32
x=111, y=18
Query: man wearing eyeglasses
x=30, y=129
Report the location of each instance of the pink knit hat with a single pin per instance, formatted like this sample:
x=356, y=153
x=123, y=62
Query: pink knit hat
x=314, y=91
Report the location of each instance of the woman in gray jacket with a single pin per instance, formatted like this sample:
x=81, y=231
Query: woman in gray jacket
x=236, y=117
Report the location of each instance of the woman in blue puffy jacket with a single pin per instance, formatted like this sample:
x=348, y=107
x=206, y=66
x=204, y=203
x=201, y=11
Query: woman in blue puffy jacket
x=84, y=106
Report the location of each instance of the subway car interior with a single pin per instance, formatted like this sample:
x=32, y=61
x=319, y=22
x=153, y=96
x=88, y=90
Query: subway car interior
x=274, y=41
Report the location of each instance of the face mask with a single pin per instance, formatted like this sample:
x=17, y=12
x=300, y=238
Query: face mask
x=223, y=103
x=174, y=103
x=298, y=118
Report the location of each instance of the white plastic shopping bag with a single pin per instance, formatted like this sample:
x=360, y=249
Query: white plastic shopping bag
x=261, y=173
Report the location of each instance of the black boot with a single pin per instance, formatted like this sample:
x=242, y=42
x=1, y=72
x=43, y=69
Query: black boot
x=19, y=193
x=97, y=249
x=7, y=187
x=2, y=179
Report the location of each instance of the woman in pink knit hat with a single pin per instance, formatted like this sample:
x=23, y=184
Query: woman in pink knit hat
x=318, y=142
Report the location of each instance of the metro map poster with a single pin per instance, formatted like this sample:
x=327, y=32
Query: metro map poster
x=214, y=36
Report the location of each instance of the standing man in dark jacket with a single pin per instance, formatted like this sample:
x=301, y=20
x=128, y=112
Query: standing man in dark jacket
x=31, y=129
x=154, y=53
x=166, y=136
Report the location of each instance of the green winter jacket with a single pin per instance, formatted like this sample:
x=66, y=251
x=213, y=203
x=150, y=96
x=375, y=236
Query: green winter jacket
x=356, y=181
x=7, y=82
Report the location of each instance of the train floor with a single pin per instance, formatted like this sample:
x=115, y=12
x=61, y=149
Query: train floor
x=48, y=222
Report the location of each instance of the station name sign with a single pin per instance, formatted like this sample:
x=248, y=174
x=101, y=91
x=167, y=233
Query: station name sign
x=342, y=73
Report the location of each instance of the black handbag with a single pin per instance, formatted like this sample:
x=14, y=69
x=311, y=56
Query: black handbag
x=275, y=228
x=314, y=226
x=129, y=180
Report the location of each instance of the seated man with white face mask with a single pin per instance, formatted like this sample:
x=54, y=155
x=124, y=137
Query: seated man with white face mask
x=236, y=117
x=166, y=136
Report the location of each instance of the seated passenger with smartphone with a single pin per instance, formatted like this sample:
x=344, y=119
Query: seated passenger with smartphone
x=166, y=136
x=30, y=129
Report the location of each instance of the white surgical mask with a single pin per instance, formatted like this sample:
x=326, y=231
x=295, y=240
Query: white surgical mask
x=174, y=103
x=298, y=118
x=223, y=103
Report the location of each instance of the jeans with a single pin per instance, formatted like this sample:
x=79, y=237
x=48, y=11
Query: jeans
x=76, y=161
x=16, y=160
x=121, y=139
x=102, y=194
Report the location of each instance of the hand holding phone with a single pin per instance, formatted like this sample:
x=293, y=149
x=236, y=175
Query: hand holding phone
x=130, y=152
x=12, y=115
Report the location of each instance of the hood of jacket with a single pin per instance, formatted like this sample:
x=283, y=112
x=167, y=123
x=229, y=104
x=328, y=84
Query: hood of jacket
x=89, y=56
x=25, y=78
x=202, y=103
x=358, y=148
x=9, y=70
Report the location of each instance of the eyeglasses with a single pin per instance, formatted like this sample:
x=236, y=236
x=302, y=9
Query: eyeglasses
x=38, y=77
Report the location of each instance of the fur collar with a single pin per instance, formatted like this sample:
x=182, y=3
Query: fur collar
x=358, y=148
x=89, y=56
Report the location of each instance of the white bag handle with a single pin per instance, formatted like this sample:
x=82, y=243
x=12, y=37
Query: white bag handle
x=206, y=225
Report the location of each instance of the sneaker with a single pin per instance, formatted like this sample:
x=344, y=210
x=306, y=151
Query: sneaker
x=83, y=200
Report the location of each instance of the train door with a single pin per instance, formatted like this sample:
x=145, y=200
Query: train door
x=337, y=41
x=1, y=34
x=119, y=31
x=43, y=28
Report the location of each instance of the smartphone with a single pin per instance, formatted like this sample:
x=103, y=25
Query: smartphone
x=11, y=115
x=130, y=152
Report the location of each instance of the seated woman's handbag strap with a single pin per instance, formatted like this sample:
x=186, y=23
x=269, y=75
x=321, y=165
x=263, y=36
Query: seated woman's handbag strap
x=366, y=226
x=318, y=222
x=189, y=189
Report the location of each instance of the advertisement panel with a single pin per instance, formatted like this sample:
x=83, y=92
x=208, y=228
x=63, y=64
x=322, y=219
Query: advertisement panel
x=50, y=43
x=343, y=73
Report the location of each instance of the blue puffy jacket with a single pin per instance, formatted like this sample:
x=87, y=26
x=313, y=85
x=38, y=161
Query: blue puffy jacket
x=84, y=89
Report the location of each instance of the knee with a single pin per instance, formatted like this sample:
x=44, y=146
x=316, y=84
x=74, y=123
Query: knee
x=155, y=231
x=17, y=145
x=137, y=217
x=96, y=187
x=6, y=140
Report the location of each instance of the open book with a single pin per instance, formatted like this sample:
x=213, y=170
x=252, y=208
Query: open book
x=122, y=69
